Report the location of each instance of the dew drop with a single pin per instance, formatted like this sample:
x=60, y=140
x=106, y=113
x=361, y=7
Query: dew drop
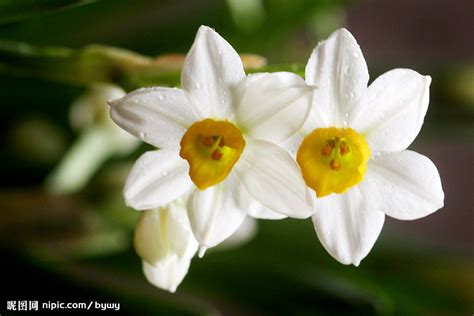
x=142, y=135
x=345, y=123
x=197, y=85
x=161, y=97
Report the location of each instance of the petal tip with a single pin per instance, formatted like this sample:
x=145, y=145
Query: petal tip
x=202, y=251
x=344, y=33
x=428, y=80
x=343, y=30
x=113, y=102
x=205, y=28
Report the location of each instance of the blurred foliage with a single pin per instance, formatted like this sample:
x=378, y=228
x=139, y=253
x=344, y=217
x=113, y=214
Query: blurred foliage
x=279, y=274
x=103, y=64
x=159, y=26
x=13, y=10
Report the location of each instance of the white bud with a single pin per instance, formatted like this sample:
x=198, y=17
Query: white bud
x=164, y=241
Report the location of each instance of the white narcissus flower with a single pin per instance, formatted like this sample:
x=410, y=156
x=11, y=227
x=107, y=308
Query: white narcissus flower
x=100, y=139
x=217, y=140
x=353, y=150
x=164, y=241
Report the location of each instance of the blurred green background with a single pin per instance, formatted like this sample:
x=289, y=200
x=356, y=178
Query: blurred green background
x=73, y=244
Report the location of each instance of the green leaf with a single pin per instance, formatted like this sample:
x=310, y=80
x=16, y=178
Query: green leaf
x=98, y=64
x=13, y=10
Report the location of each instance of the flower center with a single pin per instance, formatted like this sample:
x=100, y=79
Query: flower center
x=333, y=159
x=211, y=148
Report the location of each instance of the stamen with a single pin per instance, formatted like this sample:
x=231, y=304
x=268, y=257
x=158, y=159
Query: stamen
x=217, y=141
x=207, y=141
x=216, y=155
x=326, y=151
x=211, y=149
x=332, y=142
x=335, y=164
x=333, y=159
x=344, y=149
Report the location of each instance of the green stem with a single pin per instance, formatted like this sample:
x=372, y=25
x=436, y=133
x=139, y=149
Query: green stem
x=96, y=64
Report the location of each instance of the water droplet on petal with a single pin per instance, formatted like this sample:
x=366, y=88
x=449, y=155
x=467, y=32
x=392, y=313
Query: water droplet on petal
x=161, y=97
x=197, y=85
x=142, y=135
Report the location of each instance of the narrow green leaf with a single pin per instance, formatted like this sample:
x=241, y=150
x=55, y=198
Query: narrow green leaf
x=13, y=10
x=99, y=64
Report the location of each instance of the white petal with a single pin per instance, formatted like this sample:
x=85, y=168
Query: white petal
x=243, y=235
x=163, y=232
x=393, y=112
x=158, y=116
x=167, y=274
x=157, y=178
x=338, y=69
x=274, y=179
x=347, y=225
x=258, y=210
x=150, y=231
x=403, y=185
x=292, y=144
x=164, y=241
x=272, y=106
x=211, y=71
x=179, y=235
x=217, y=212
